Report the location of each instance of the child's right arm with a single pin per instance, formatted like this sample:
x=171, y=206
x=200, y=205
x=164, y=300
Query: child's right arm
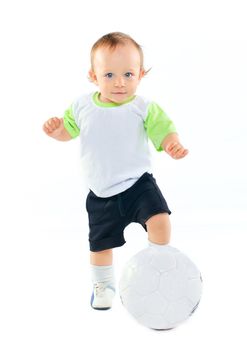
x=54, y=127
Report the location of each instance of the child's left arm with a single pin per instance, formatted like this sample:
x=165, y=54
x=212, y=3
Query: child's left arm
x=171, y=145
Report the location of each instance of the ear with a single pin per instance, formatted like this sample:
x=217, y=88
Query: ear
x=142, y=73
x=92, y=77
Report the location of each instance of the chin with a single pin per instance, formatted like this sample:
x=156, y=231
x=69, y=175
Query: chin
x=120, y=98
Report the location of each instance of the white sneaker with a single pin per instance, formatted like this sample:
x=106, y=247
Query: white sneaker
x=102, y=296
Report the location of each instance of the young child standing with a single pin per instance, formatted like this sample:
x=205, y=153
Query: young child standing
x=114, y=125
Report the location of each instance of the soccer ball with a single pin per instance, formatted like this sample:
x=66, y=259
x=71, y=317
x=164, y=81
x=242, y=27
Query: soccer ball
x=161, y=287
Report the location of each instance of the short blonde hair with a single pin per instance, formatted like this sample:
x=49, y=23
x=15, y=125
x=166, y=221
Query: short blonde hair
x=111, y=41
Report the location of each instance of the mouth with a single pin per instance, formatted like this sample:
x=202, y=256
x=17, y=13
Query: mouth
x=119, y=93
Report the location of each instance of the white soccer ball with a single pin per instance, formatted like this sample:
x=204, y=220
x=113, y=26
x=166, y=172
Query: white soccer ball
x=160, y=287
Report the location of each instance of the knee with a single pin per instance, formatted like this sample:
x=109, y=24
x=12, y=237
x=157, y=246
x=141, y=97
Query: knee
x=159, y=228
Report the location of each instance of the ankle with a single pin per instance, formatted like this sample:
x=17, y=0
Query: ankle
x=103, y=274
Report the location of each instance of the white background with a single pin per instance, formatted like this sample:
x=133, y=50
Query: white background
x=198, y=54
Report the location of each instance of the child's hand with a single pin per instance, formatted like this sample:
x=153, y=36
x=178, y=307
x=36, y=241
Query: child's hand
x=176, y=150
x=53, y=126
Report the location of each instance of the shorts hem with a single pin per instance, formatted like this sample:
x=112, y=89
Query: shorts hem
x=108, y=243
x=158, y=211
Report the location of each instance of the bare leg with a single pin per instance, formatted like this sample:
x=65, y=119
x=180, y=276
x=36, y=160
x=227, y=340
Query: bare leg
x=102, y=258
x=159, y=228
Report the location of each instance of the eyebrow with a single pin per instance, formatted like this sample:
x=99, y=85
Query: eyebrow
x=126, y=70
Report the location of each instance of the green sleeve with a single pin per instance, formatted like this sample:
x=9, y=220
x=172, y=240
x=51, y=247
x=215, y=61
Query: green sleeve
x=158, y=125
x=70, y=124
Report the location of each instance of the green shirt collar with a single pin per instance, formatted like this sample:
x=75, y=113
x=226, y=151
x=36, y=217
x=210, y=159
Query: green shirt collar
x=109, y=104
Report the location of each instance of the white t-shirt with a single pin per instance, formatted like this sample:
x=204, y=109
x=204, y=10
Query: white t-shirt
x=114, y=139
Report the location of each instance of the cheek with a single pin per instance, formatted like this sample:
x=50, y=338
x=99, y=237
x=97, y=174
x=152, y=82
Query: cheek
x=104, y=84
x=134, y=83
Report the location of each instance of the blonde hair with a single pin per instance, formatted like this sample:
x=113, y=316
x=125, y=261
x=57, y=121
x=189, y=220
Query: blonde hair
x=111, y=41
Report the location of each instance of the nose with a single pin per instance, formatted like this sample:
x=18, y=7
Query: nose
x=119, y=81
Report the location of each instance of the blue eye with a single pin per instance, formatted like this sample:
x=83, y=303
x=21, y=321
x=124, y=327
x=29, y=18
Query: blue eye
x=128, y=74
x=108, y=75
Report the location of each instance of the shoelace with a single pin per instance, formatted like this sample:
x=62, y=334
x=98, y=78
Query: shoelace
x=99, y=288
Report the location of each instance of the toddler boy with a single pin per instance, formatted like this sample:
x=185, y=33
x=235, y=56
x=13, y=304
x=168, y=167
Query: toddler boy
x=114, y=125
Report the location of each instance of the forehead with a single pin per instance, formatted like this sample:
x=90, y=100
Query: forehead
x=122, y=55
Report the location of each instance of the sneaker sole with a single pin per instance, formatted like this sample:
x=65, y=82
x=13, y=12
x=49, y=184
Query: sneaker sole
x=98, y=308
x=101, y=308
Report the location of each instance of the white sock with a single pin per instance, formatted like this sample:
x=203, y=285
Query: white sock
x=103, y=274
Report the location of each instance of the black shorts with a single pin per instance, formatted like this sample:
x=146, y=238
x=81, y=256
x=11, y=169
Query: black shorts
x=109, y=216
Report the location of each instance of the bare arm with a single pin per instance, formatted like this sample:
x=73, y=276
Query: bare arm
x=54, y=127
x=173, y=147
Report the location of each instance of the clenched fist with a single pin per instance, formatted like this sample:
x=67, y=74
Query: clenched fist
x=173, y=147
x=176, y=150
x=53, y=126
